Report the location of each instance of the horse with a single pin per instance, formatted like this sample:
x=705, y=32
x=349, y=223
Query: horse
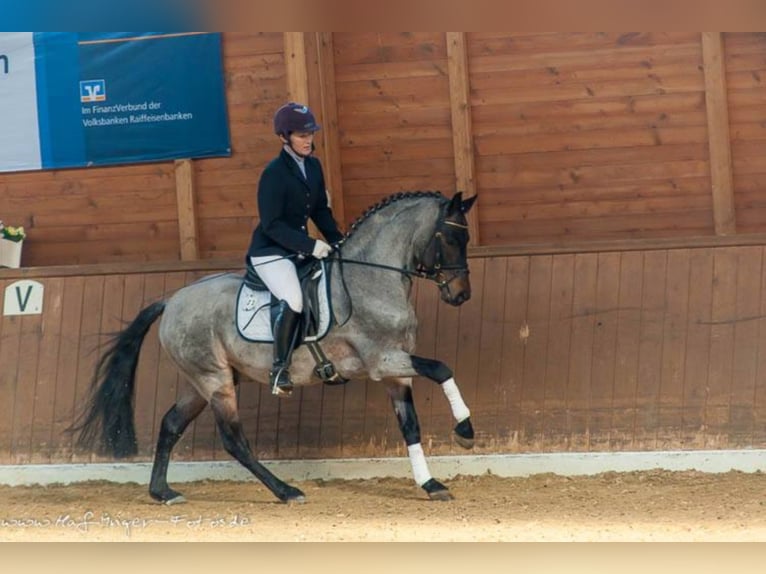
x=407, y=235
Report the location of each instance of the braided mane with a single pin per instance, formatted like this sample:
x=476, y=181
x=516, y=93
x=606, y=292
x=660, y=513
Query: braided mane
x=386, y=202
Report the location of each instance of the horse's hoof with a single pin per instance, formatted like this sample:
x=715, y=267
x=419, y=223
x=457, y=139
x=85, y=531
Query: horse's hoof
x=180, y=499
x=464, y=433
x=437, y=491
x=441, y=495
x=168, y=497
x=293, y=496
x=466, y=443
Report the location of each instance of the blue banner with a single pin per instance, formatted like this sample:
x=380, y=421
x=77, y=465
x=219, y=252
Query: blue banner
x=90, y=99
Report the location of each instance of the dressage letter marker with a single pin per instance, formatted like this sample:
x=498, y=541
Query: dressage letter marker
x=24, y=297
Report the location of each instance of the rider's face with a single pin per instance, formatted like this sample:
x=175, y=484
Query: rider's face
x=301, y=142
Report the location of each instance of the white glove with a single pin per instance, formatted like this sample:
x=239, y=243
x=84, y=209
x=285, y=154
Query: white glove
x=321, y=249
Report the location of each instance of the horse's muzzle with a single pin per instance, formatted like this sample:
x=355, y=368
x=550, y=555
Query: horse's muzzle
x=457, y=299
x=457, y=296
x=457, y=289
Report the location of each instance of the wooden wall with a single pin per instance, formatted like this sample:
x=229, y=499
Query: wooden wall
x=565, y=137
x=590, y=136
x=745, y=65
x=394, y=115
x=600, y=351
x=617, y=243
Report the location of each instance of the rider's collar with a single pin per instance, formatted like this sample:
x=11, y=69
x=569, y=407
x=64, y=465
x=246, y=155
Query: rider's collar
x=296, y=156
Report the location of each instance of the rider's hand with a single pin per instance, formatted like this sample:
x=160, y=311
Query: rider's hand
x=321, y=249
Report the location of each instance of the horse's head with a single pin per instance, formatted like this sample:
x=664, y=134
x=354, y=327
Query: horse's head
x=445, y=259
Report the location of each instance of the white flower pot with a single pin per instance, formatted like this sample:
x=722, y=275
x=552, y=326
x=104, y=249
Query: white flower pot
x=10, y=253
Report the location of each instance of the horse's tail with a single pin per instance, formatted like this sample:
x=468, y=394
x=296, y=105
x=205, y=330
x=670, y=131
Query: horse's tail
x=109, y=411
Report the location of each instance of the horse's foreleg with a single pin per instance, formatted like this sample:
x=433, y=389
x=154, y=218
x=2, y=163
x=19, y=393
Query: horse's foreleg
x=224, y=405
x=174, y=424
x=400, y=392
x=441, y=374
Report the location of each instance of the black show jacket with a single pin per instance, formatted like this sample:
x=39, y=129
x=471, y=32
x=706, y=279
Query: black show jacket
x=286, y=201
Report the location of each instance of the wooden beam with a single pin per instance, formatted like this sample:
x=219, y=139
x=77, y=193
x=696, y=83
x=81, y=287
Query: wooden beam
x=295, y=67
x=187, y=220
x=462, y=132
x=719, y=141
x=557, y=248
x=329, y=134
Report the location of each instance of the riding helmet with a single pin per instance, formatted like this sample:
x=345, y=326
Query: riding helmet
x=294, y=117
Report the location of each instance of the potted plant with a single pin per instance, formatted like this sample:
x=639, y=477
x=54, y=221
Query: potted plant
x=11, y=240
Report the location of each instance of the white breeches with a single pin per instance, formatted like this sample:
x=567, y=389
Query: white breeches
x=280, y=276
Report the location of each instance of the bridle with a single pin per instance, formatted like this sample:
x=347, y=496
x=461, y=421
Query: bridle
x=434, y=272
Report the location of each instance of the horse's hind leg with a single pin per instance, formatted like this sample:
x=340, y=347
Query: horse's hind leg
x=441, y=374
x=400, y=392
x=174, y=424
x=224, y=405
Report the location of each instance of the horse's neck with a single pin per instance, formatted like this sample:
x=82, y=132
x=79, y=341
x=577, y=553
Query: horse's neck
x=394, y=235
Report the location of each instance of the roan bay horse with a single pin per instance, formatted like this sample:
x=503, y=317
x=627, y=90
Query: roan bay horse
x=409, y=234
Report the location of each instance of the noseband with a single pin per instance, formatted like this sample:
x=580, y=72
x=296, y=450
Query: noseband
x=435, y=272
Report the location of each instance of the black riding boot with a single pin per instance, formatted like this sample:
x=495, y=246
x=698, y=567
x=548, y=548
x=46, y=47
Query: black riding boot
x=286, y=324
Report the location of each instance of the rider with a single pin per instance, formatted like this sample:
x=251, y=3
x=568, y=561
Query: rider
x=291, y=191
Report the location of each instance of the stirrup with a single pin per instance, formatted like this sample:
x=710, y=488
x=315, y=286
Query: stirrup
x=326, y=371
x=281, y=385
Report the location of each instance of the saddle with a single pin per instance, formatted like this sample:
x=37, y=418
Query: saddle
x=255, y=307
x=309, y=275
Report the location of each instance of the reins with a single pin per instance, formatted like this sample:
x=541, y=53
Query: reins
x=433, y=273
x=420, y=272
x=402, y=270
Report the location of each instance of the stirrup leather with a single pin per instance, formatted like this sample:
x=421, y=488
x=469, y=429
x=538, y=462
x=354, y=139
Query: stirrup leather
x=324, y=369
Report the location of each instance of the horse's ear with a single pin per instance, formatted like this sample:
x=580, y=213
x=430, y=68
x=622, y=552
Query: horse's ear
x=466, y=205
x=455, y=204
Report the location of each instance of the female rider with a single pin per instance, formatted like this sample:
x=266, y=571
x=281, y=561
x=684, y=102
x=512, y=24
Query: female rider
x=291, y=191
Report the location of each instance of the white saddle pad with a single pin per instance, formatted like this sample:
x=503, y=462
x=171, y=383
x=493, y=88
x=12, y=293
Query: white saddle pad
x=254, y=313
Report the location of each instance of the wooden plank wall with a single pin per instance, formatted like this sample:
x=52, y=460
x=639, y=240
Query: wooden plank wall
x=573, y=137
x=603, y=351
x=745, y=65
x=225, y=187
x=90, y=216
x=590, y=136
x=394, y=115
x=610, y=313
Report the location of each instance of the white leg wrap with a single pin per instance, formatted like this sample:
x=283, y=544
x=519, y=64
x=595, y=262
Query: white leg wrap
x=419, y=467
x=459, y=409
